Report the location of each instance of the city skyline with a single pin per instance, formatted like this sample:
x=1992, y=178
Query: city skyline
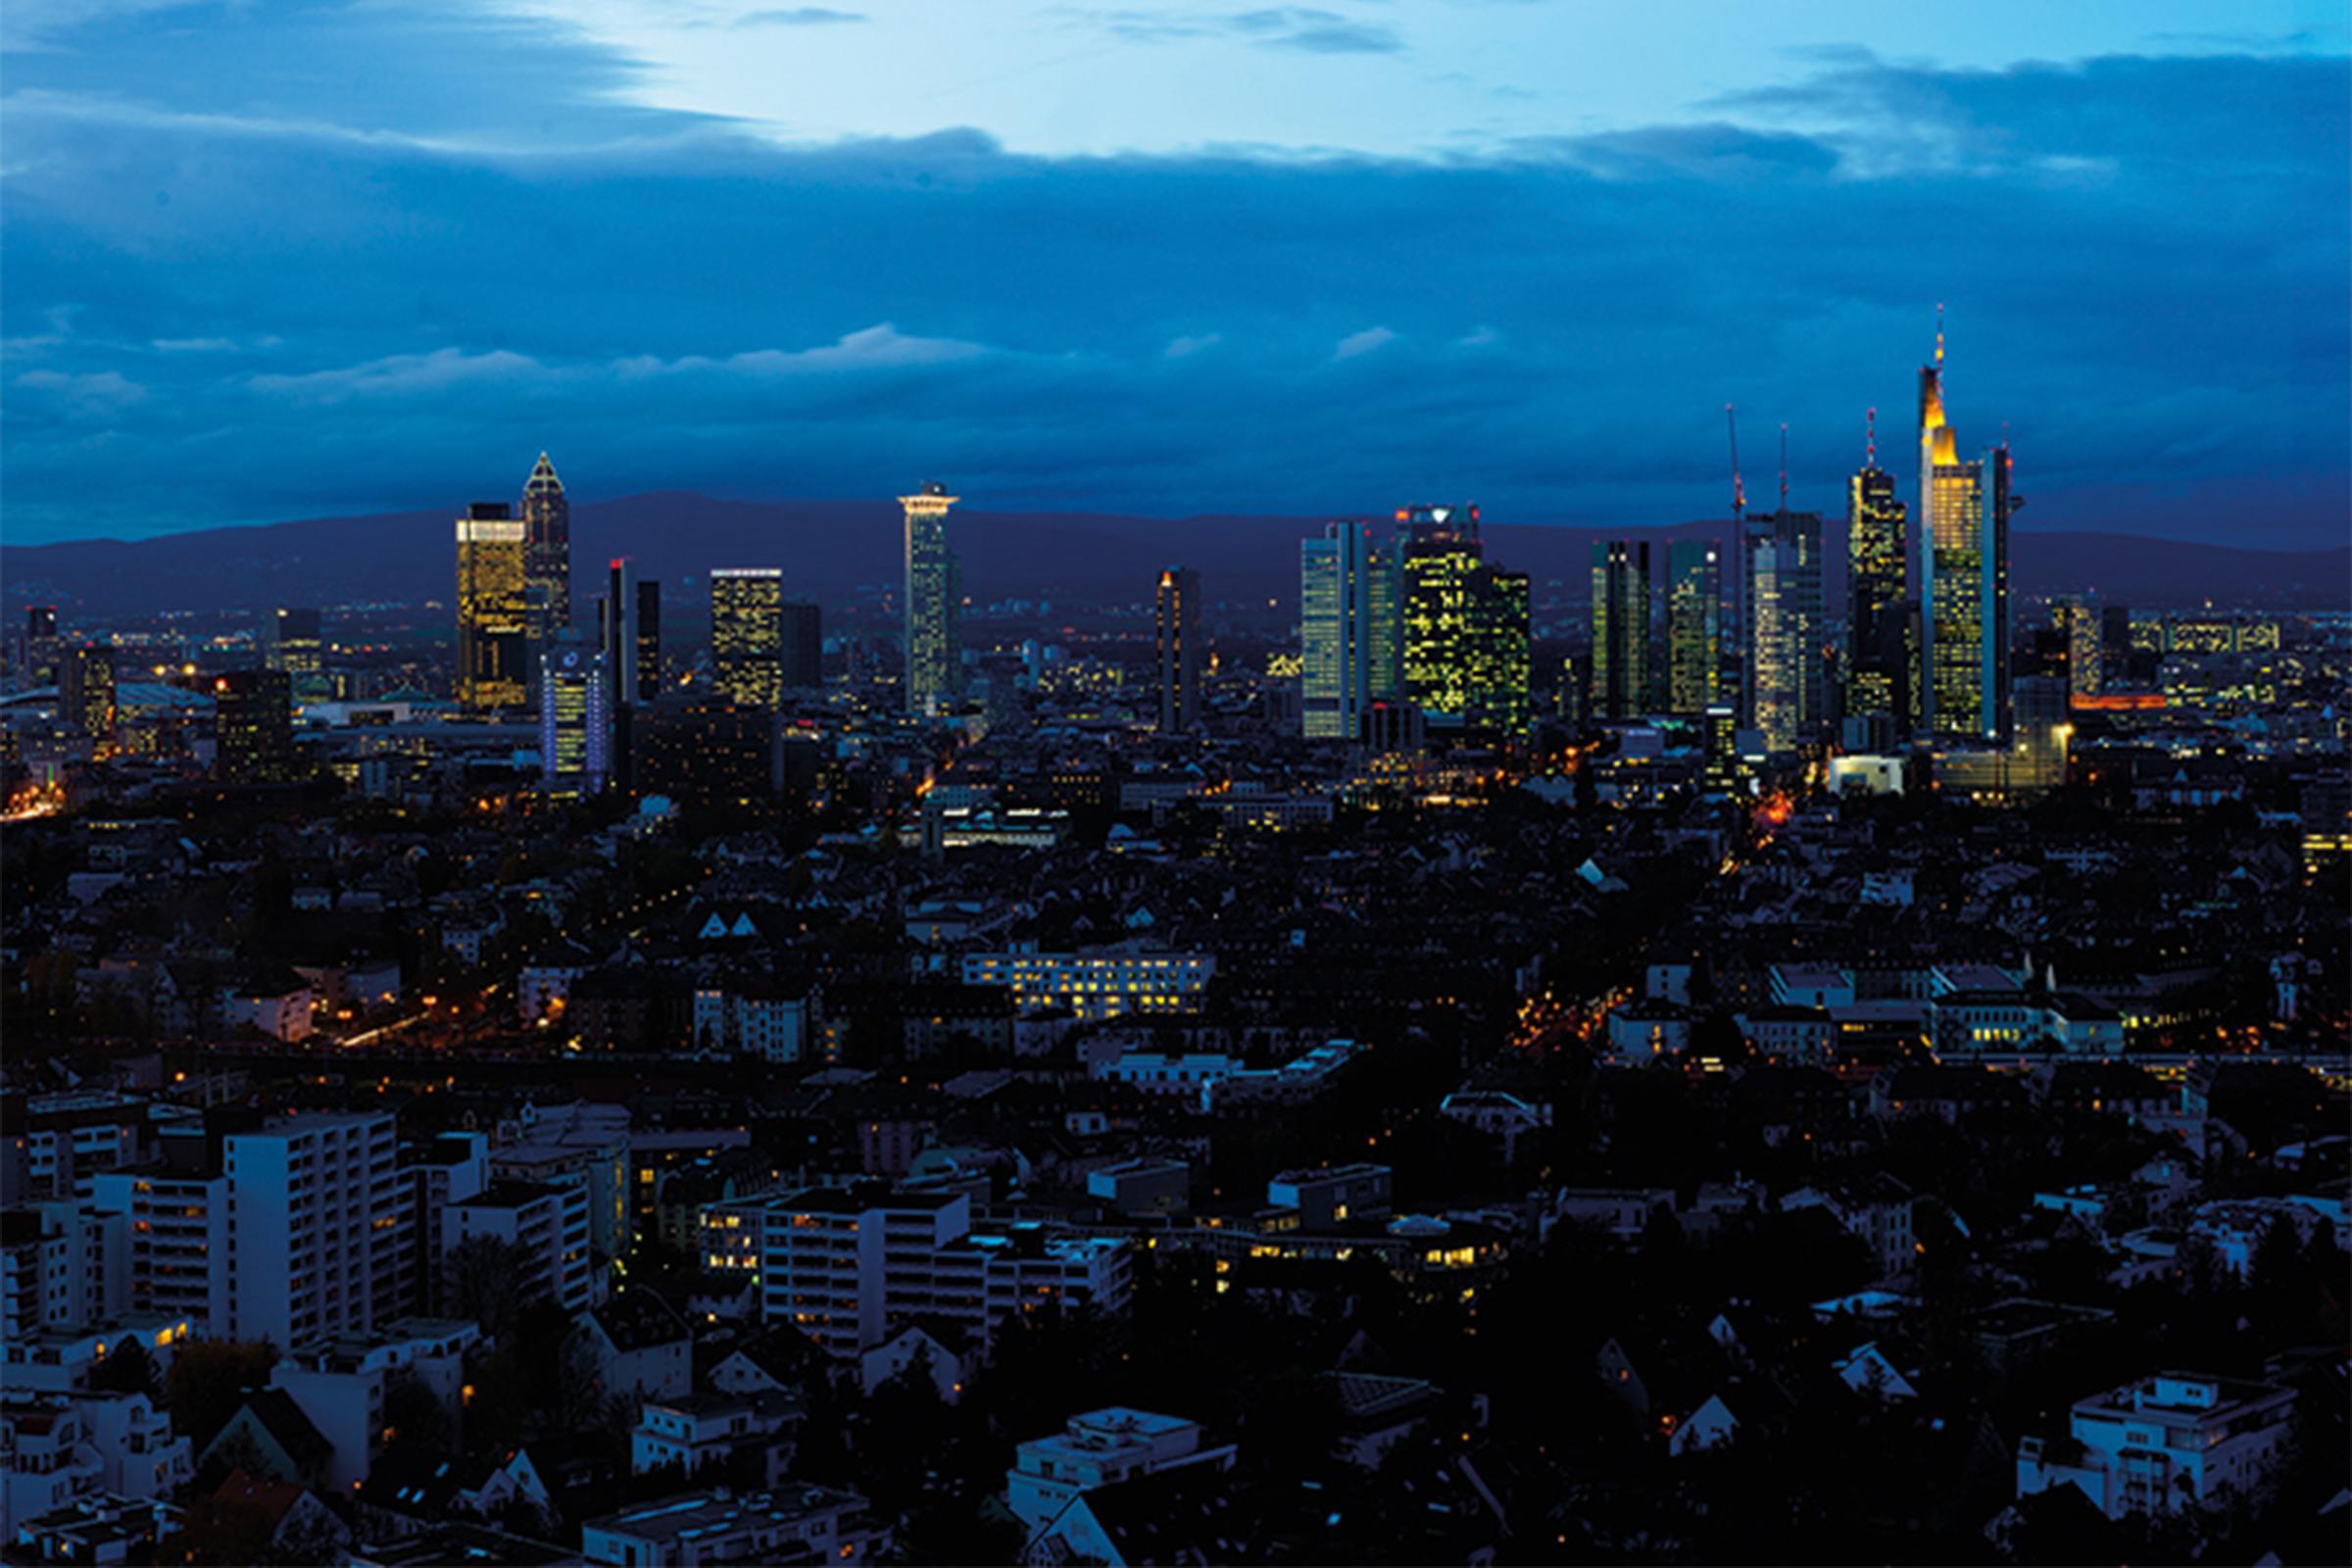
x=2143, y=277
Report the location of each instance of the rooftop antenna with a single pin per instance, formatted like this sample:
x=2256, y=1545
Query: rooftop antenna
x=1940, y=332
x=1738, y=494
x=1870, y=439
x=1784, y=465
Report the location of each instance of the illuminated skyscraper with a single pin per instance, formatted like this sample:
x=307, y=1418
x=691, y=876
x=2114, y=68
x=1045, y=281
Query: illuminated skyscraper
x=933, y=590
x=493, y=616
x=254, y=723
x=1437, y=557
x=85, y=691
x=575, y=719
x=2079, y=619
x=1620, y=629
x=1177, y=605
x=1786, y=662
x=1964, y=555
x=295, y=647
x=1878, y=554
x=1496, y=669
x=747, y=635
x=40, y=643
x=1335, y=625
x=1693, y=624
x=547, y=564
x=803, y=647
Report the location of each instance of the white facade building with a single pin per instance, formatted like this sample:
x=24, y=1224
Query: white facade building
x=2166, y=1442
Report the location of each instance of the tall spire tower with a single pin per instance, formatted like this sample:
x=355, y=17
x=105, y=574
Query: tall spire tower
x=547, y=565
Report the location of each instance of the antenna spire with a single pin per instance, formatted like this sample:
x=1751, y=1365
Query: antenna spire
x=1738, y=493
x=1784, y=465
x=1940, y=332
x=1870, y=439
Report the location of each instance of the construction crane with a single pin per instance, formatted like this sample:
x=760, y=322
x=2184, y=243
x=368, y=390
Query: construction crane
x=1784, y=465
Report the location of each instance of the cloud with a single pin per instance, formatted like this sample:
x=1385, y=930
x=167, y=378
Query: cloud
x=797, y=17
x=1302, y=28
x=297, y=307
x=94, y=393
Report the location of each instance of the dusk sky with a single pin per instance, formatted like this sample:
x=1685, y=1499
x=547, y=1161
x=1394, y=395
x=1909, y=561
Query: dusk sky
x=267, y=260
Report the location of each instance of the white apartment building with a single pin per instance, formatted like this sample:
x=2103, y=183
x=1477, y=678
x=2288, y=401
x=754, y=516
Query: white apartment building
x=844, y=1265
x=772, y=1022
x=340, y=1386
x=1101, y=1449
x=2174, y=1440
x=1102, y=984
x=316, y=1228
x=794, y=1523
x=57, y=1448
x=549, y=1225
x=62, y=1265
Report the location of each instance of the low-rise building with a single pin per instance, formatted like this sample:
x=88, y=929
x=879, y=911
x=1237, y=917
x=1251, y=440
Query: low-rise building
x=2164, y=1443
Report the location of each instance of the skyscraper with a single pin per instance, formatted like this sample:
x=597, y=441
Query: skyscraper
x=85, y=691
x=295, y=647
x=547, y=567
x=2079, y=619
x=1878, y=556
x=803, y=647
x=933, y=591
x=1178, y=611
x=648, y=629
x=1964, y=556
x=575, y=720
x=616, y=629
x=40, y=643
x=493, y=612
x=1620, y=629
x=1496, y=667
x=1335, y=620
x=1693, y=624
x=1786, y=669
x=746, y=634
x=1437, y=557
x=253, y=725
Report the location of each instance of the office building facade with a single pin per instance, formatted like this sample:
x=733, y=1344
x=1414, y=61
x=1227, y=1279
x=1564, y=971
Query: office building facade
x=253, y=725
x=1694, y=625
x=1964, y=553
x=547, y=549
x=1878, y=659
x=493, y=608
x=747, y=635
x=1787, y=671
x=575, y=715
x=933, y=606
x=1177, y=618
x=1620, y=628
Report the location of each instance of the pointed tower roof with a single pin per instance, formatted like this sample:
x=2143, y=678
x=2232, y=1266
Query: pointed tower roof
x=543, y=476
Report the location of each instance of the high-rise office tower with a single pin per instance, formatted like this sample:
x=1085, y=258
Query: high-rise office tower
x=85, y=691
x=1620, y=629
x=1787, y=673
x=2079, y=619
x=575, y=718
x=1694, y=625
x=746, y=634
x=1878, y=554
x=40, y=643
x=1496, y=669
x=296, y=647
x=2115, y=645
x=803, y=647
x=1437, y=557
x=647, y=630
x=1964, y=558
x=253, y=714
x=1338, y=618
x=934, y=589
x=547, y=567
x=616, y=629
x=493, y=612
x=1178, y=610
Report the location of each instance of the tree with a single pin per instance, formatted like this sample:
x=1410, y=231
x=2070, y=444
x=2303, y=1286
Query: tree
x=209, y=1380
x=488, y=1283
x=128, y=1370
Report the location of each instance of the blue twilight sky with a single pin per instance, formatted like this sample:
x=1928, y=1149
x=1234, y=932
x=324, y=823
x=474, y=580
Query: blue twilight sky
x=265, y=259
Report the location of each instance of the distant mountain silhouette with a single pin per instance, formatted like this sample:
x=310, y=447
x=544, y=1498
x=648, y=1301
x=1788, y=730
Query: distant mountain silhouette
x=828, y=547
